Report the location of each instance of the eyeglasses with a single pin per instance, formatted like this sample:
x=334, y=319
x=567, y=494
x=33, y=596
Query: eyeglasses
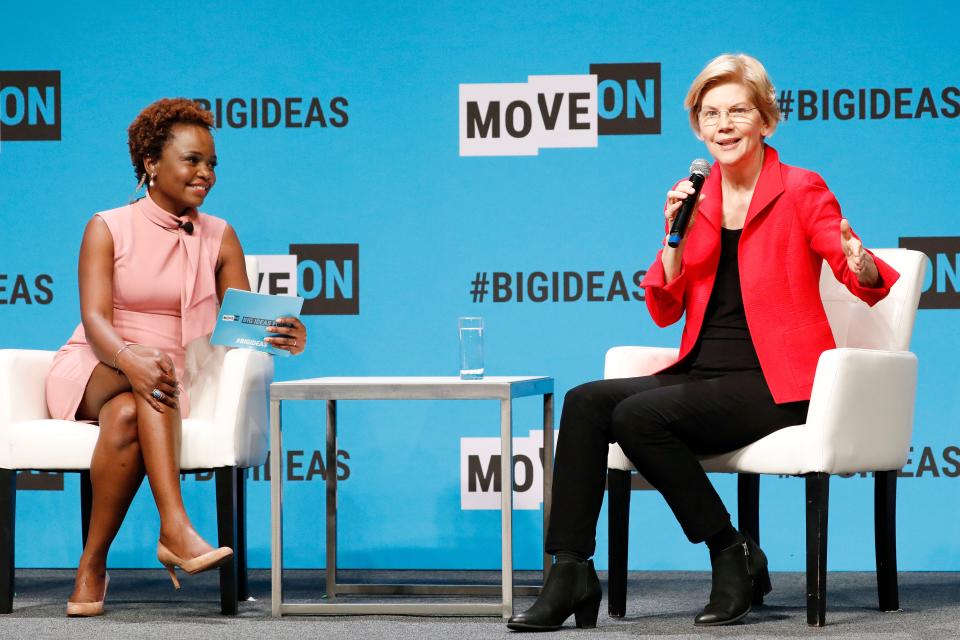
x=711, y=117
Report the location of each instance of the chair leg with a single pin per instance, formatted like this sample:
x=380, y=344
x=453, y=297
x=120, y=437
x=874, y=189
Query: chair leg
x=226, y=481
x=86, y=503
x=618, y=527
x=8, y=514
x=748, y=513
x=818, y=499
x=885, y=532
x=241, y=549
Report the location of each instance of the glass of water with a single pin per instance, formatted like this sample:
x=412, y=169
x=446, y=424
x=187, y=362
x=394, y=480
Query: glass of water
x=471, y=348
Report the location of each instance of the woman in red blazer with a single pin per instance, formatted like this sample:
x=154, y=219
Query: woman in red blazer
x=792, y=224
x=746, y=274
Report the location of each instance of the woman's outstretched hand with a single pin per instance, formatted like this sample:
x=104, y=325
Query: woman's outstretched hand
x=860, y=262
x=289, y=335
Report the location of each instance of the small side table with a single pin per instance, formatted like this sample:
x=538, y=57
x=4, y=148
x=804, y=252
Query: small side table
x=502, y=388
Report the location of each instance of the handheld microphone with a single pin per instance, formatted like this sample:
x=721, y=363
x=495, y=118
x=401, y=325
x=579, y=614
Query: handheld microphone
x=699, y=170
x=188, y=226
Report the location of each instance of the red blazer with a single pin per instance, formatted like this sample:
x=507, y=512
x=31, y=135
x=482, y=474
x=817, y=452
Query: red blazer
x=792, y=226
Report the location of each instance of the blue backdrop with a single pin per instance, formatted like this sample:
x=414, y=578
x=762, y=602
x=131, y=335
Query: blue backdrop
x=386, y=173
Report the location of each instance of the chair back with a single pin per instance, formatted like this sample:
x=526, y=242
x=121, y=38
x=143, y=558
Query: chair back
x=204, y=362
x=888, y=324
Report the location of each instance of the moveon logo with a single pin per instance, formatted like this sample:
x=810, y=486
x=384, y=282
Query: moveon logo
x=480, y=481
x=519, y=119
x=29, y=105
x=941, y=284
x=326, y=276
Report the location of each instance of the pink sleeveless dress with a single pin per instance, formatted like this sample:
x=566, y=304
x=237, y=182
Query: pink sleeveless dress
x=164, y=295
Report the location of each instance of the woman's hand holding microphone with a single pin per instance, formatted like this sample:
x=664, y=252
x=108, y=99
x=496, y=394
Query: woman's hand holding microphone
x=675, y=199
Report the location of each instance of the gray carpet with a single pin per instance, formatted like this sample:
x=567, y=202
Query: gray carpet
x=142, y=604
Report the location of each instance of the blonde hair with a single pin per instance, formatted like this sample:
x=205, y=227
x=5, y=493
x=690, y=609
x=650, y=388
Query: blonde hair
x=740, y=68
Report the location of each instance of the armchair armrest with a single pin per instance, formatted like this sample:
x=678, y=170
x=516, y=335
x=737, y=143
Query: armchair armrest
x=241, y=407
x=630, y=362
x=23, y=376
x=861, y=409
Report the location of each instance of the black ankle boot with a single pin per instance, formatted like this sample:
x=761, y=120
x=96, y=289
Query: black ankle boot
x=738, y=572
x=571, y=588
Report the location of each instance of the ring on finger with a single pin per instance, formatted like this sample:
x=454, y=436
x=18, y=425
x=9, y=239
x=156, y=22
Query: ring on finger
x=158, y=395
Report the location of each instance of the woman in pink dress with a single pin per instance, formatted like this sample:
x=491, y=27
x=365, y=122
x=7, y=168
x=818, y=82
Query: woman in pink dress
x=151, y=276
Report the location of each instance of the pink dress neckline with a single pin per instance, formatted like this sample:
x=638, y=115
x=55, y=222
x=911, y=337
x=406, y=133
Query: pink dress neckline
x=198, y=284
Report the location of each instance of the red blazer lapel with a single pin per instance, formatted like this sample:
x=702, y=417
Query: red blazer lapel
x=712, y=206
x=769, y=185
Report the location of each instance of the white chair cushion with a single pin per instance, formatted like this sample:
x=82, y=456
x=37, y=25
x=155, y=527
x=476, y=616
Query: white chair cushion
x=63, y=445
x=51, y=444
x=788, y=451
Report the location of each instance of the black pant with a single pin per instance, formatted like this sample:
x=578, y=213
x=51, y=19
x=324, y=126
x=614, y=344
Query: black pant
x=662, y=423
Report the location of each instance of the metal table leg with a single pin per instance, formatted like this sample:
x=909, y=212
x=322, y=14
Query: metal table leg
x=276, y=510
x=331, y=499
x=547, y=476
x=506, y=504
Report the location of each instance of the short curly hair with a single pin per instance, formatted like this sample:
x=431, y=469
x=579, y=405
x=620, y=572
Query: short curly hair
x=150, y=131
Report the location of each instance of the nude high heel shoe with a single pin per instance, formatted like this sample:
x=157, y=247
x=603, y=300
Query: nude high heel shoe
x=88, y=609
x=203, y=562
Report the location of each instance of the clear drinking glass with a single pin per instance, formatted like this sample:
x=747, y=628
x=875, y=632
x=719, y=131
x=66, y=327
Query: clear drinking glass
x=471, y=348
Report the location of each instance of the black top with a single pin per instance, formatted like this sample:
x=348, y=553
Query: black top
x=724, y=345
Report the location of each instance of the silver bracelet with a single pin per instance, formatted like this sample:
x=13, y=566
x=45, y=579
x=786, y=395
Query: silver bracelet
x=117, y=355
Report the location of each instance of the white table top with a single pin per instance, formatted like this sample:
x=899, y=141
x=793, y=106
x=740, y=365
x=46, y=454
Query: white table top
x=410, y=387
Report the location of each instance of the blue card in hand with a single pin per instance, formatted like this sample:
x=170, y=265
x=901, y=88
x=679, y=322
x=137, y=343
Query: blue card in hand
x=245, y=317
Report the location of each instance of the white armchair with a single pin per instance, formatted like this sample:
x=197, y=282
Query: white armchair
x=226, y=432
x=860, y=420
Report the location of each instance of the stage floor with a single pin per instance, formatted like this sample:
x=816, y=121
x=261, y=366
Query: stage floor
x=142, y=604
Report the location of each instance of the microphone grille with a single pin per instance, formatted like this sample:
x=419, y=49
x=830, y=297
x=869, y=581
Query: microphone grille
x=700, y=166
